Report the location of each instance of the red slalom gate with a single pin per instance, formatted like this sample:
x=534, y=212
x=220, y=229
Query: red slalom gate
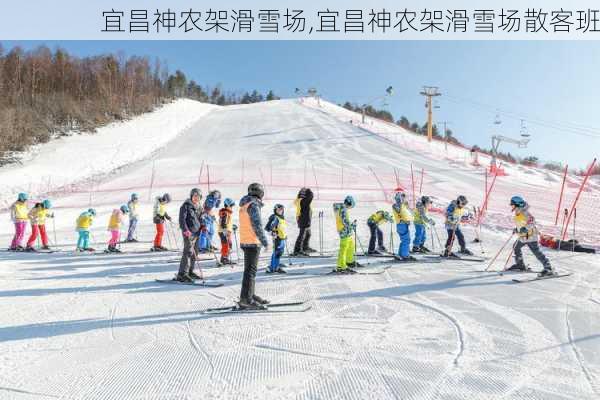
x=587, y=175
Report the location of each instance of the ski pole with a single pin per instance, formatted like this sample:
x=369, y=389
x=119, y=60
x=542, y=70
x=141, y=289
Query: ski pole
x=449, y=248
x=477, y=234
x=356, y=238
x=392, y=239
x=288, y=253
x=512, y=250
x=237, y=248
x=500, y=251
x=321, y=237
x=574, y=222
x=54, y=231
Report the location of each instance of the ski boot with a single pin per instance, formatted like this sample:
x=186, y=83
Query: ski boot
x=465, y=252
x=518, y=266
x=373, y=253
x=309, y=250
x=246, y=304
x=224, y=261
x=408, y=258
x=448, y=254
x=346, y=270
x=259, y=299
x=162, y=248
x=416, y=249
x=20, y=248
x=89, y=249
x=282, y=265
x=46, y=247
x=30, y=249
x=184, y=278
x=354, y=264
x=382, y=249
x=281, y=270
x=425, y=250
x=546, y=272
x=194, y=275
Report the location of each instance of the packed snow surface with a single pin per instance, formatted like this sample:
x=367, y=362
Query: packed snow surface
x=77, y=326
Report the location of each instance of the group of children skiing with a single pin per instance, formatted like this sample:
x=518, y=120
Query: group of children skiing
x=197, y=224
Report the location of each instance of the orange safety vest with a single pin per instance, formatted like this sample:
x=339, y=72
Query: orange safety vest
x=247, y=234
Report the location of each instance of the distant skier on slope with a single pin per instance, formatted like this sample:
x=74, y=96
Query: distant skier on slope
x=303, y=205
x=160, y=215
x=421, y=219
x=114, y=227
x=252, y=238
x=19, y=217
x=225, y=229
x=276, y=226
x=132, y=204
x=455, y=215
x=373, y=222
x=84, y=223
x=189, y=223
x=528, y=236
x=345, y=228
x=37, y=215
x=403, y=217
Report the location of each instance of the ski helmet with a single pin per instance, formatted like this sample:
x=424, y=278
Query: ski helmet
x=22, y=197
x=92, y=212
x=134, y=197
x=166, y=198
x=124, y=209
x=278, y=207
x=425, y=200
x=228, y=202
x=257, y=190
x=195, y=191
x=46, y=204
x=399, y=197
x=302, y=193
x=517, y=201
x=462, y=200
x=349, y=201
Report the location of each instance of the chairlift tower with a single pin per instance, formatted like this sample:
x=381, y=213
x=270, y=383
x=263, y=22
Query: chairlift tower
x=497, y=139
x=430, y=92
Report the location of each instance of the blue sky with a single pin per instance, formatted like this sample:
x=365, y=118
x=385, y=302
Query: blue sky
x=553, y=85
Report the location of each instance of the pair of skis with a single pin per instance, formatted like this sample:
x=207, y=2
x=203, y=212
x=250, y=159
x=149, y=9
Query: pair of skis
x=297, y=306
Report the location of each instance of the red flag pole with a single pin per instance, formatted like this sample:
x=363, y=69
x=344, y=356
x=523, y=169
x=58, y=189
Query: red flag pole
x=562, y=189
x=587, y=175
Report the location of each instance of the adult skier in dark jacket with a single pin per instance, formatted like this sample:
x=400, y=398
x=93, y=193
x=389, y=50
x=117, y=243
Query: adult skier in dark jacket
x=189, y=223
x=303, y=218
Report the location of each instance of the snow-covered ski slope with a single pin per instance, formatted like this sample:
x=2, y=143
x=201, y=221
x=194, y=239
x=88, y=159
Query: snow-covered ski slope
x=100, y=327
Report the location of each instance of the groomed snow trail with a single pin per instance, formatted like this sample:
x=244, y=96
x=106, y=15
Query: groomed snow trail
x=100, y=327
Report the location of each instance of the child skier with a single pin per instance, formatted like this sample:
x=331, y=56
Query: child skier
x=277, y=227
x=252, y=237
x=345, y=228
x=403, y=216
x=84, y=222
x=18, y=215
x=132, y=205
x=225, y=229
x=114, y=227
x=303, y=218
x=212, y=201
x=160, y=215
x=422, y=218
x=455, y=214
x=528, y=236
x=376, y=234
x=37, y=216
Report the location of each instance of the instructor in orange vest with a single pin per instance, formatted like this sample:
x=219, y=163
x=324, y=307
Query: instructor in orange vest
x=252, y=238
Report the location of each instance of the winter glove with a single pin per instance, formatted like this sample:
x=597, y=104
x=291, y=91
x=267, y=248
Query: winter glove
x=523, y=231
x=167, y=217
x=234, y=227
x=432, y=222
x=274, y=234
x=187, y=234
